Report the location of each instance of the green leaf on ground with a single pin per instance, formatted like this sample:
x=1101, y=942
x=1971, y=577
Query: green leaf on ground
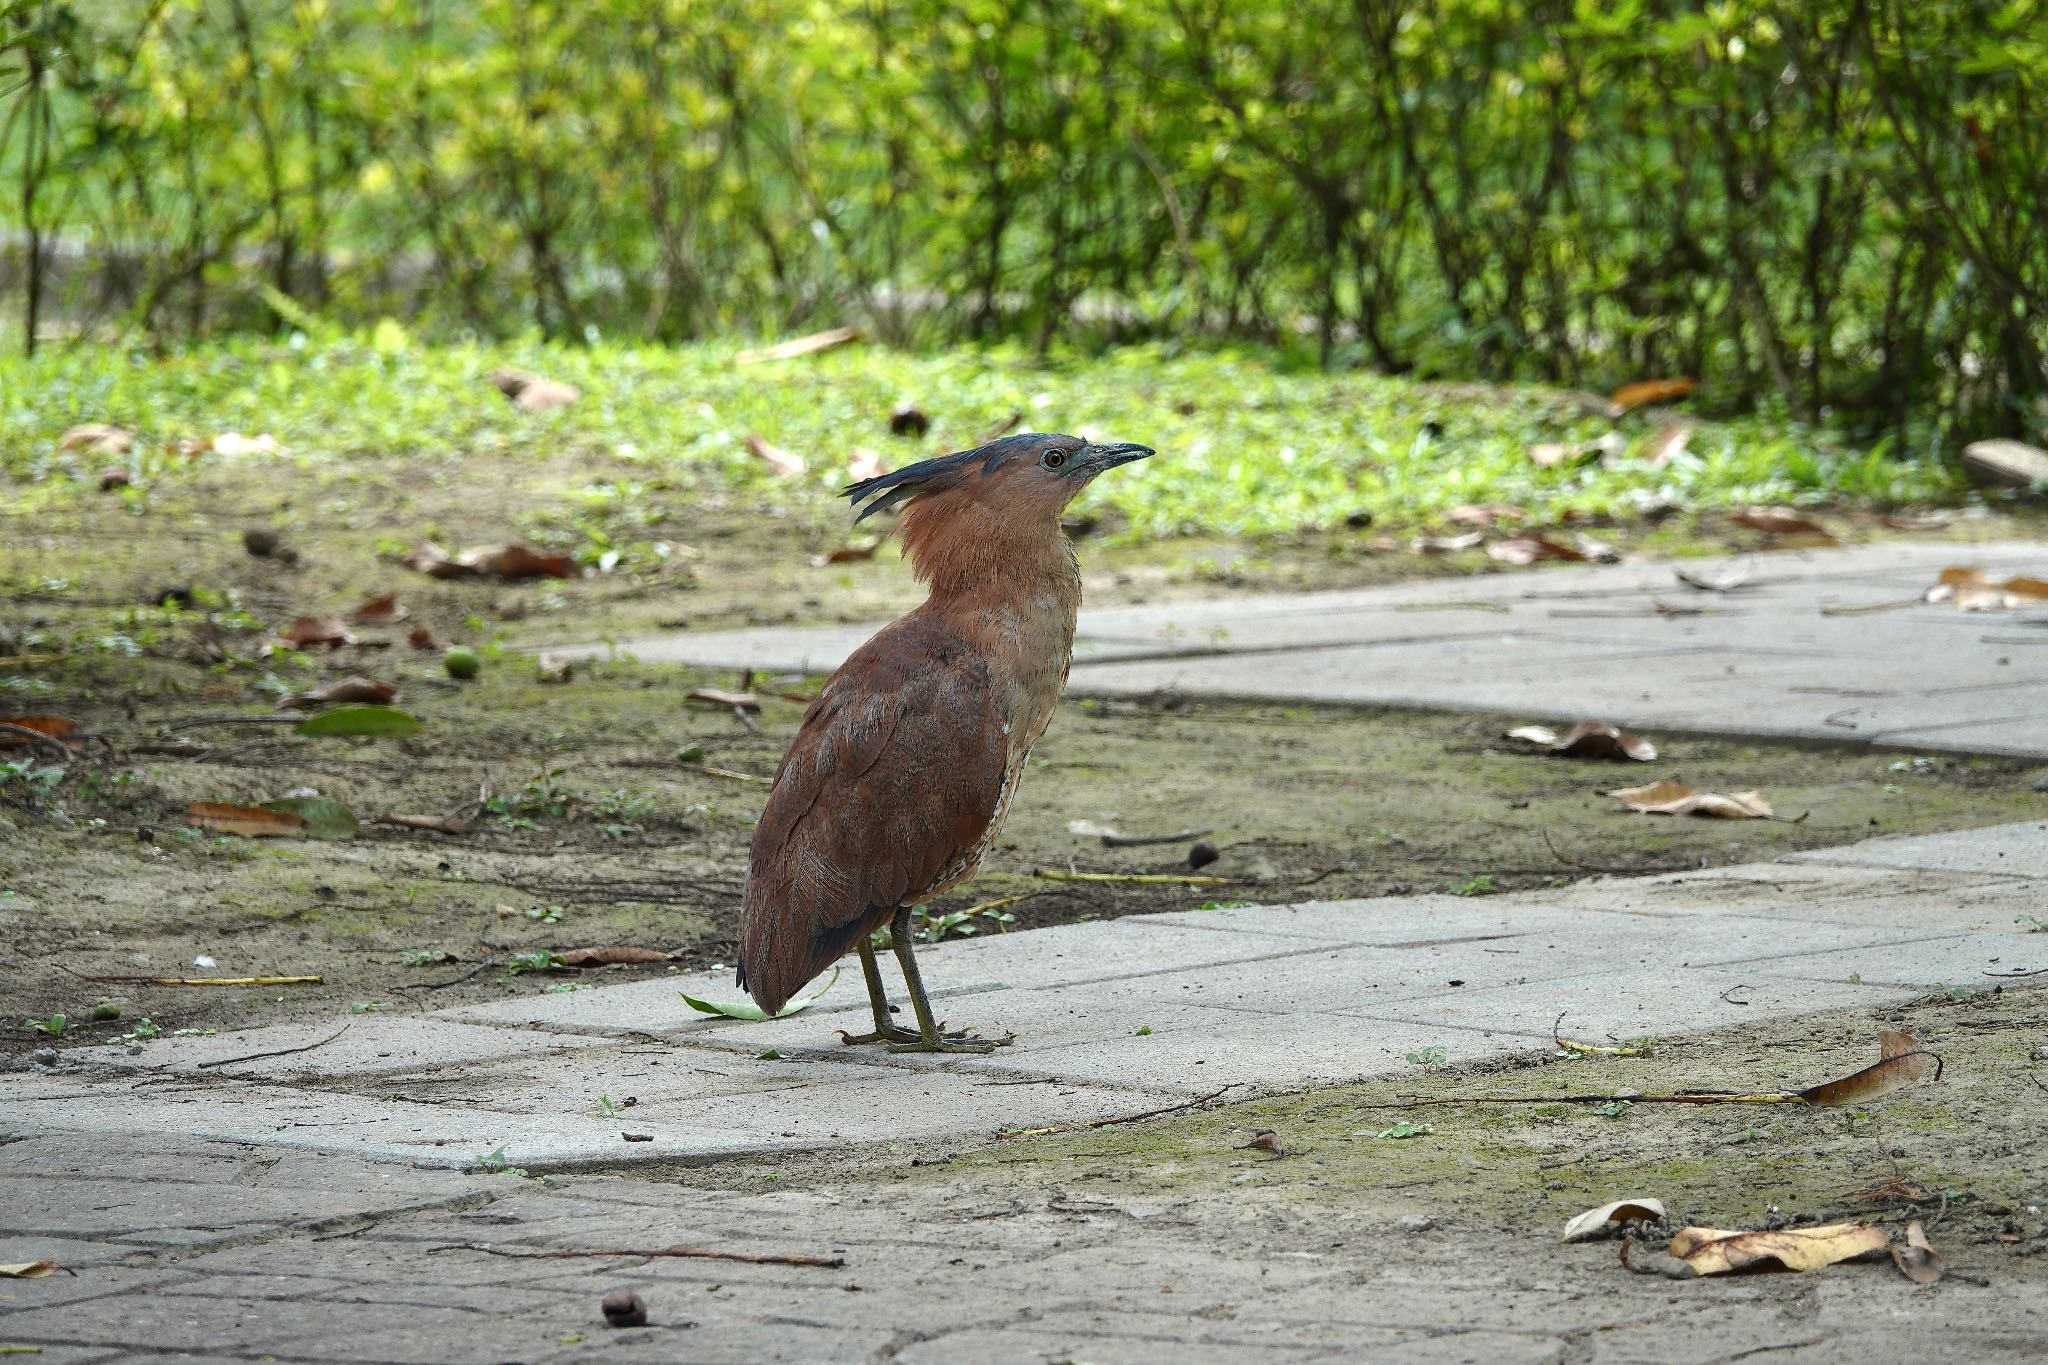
x=325, y=817
x=747, y=1009
x=360, y=720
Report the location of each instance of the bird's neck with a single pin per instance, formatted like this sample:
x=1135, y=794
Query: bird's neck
x=979, y=561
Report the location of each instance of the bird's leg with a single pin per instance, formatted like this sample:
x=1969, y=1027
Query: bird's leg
x=931, y=1037
x=878, y=1000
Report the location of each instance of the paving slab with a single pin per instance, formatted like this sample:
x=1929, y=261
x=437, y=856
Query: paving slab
x=2015, y=850
x=1823, y=646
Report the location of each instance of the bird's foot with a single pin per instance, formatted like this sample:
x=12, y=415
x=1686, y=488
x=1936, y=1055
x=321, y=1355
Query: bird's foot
x=963, y=1041
x=883, y=1033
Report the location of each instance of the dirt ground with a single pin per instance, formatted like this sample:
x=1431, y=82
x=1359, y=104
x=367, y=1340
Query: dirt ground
x=586, y=827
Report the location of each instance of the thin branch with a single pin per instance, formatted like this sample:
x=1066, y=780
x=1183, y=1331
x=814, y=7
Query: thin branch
x=280, y=1052
x=692, y=1253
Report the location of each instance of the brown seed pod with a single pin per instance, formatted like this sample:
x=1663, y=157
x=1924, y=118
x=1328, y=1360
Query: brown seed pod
x=624, y=1308
x=1201, y=853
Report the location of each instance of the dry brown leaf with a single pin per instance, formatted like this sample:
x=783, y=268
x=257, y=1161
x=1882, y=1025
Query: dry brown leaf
x=60, y=728
x=805, y=345
x=1901, y=1061
x=380, y=611
x=1788, y=529
x=555, y=668
x=1594, y=1222
x=532, y=391
x=718, y=696
x=422, y=638
x=1589, y=739
x=114, y=478
x=845, y=554
x=1917, y=1260
x=518, y=561
x=1527, y=548
x=605, y=957
x=1971, y=589
x=787, y=464
x=1445, y=545
x=1484, y=514
x=1666, y=797
x=1713, y=1251
x=349, y=689
x=865, y=464
x=1668, y=444
x=97, y=438
x=1644, y=392
x=28, y=1270
x=253, y=822
x=435, y=562
x=309, y=631
x=1599, y=551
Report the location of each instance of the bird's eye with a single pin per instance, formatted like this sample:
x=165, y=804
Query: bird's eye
x=1053, y=458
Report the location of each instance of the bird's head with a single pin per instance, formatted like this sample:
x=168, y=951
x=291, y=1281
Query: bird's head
x=1031, y=475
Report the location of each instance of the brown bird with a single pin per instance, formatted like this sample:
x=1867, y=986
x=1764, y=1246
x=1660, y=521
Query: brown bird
x=906, y=763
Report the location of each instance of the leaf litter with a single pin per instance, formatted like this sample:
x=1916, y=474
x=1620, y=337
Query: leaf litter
x=1588, y=739
x=1971, y=589
x=1668, y=797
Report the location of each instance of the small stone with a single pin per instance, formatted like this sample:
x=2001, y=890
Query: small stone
x=624, y=1308
x=2041, y=1053
x=2041, y=784
x=47, y=1056
x=261, y=544
x=1358, y=520
x=1201, y=853
x=1415, y=1222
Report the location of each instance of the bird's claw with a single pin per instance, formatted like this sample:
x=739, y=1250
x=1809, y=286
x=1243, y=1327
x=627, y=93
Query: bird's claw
x=884, y=1034
x=963, y=1041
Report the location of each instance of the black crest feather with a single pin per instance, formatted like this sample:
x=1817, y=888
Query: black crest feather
x=900, y=485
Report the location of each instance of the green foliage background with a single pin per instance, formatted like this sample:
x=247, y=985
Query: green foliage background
x=1830, y=208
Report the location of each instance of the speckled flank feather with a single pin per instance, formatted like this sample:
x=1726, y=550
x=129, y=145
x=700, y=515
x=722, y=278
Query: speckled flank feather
x=904, y=767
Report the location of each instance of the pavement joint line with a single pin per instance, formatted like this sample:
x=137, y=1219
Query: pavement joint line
x=1818, y=952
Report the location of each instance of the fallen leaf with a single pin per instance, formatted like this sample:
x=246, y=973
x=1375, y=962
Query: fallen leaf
x=422, y=638
x=114, y=478
x=718, y=696
x=1599, y=551
x=518, y=561
x=432, y=560
x=1916, y=521
x=380, y=611
x=1595, y=1222
x=786, y=463
x=1527, y=548
x=1999, y=460
x=865, y=464
x=323, y=817
x=1551, y=454
x=605, y=957
x=1971, y=589
x=97, y=438
x=532, y=391
x=234, y=445
x=358, y=720
x=1901, y=1061
x=1642, y=393
x=62, y=729
x=1668, y=444
x=251, y=822
x=1786, y=527
x=555, y=668
x=1484, y=514
x=28, y=1270
x=308, y=631
x=747, y=1009
x=1917, y=1260
x=1666, y=797
x=1589, y=739
x=816, y=342
x=1444, y=545
x=1727, y=580
x=909, y=420
x=1712, y=1251
x=350, y=689
x=853, y=550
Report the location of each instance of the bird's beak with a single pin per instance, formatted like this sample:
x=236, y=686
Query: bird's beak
x=1097, y=458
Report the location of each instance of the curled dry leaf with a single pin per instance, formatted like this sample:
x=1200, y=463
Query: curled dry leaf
x=1527, y=548
x=532, y=391
x=863, y=548
x=1713, y=1251
x=865, y=464
x=60, y=728
x=28, y=1270
x=1917, y=1260
x=718, y=696
x=510, y=561
x=1787, y=528
x=251, y=822
x=787, y=464
x=97, y=438
x=1901, y=1062
x=1597, y=1222
x=380, y=611
x=1642, y=393
x=1971, y=589
x=816, y=342
x=608, y=956
x=1446, y=545
x=1589, y=739
x=350, y=689
x=310, y=631
x=1484, y=514
x=1666, y=797
x=1724, y=580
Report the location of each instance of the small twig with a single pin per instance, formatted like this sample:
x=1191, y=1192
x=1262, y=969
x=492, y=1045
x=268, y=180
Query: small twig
x=48, y=743
x=1605, y=869
x=1591, y=1049
x=693, y=1253
x=1689, y=1097
x=1169, y=1109
x=197, y=980
x=999, y=904
x=2008, y=976
x=1112, y=839
x=728, y=773
x=747, y=720
x=475, y=971
x=280, y=1052
x=1137, y=878
x=1738, y=986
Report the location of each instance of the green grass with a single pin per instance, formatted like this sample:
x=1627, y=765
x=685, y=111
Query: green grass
x=1248, y=448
